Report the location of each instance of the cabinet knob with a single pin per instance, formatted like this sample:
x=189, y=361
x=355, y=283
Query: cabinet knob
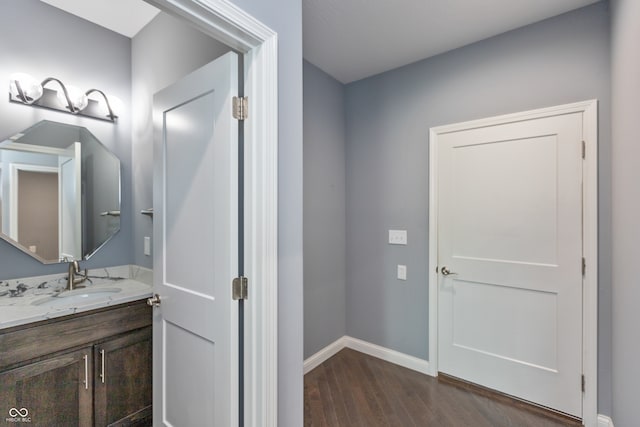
x=154, y=301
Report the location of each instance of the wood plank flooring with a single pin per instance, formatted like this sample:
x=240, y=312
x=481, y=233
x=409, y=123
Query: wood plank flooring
x=354, y=389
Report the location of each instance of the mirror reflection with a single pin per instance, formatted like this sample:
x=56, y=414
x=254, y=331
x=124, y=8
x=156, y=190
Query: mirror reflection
x=59, y=192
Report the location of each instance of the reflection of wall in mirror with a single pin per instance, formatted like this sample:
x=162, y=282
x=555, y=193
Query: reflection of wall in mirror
x=38, y=213
x=101, y=174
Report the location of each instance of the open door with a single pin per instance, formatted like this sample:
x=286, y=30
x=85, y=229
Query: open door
x=70, y=203
x=195, y=324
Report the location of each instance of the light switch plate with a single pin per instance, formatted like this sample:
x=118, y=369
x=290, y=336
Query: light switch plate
x=402, y=272
x=147, y=245
x=397, y=237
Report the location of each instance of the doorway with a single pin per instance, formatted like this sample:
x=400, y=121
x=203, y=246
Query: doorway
x=37, y=206
x=257, y=43
x=513, y=255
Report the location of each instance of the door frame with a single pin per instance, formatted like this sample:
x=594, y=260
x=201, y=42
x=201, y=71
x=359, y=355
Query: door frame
x=589, y=109
x=232, y=26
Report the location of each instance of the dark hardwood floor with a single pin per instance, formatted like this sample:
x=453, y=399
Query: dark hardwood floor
x=354, y=389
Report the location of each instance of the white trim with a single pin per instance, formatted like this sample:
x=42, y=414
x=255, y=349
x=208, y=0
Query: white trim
x=590, y=252
x=32, y=148
x=433, y=253
x=231, y=25
x=324, y=354
x=604, y=421
x=389, y=355
x=383, y=353
x=590, y=238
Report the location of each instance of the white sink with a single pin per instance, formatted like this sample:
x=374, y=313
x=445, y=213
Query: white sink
x=78, y=296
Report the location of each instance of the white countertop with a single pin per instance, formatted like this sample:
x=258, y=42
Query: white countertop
x=27, y=300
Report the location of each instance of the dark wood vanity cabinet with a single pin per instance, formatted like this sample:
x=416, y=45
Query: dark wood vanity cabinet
x=90, y=369
x=122, y=367
x=54, y=391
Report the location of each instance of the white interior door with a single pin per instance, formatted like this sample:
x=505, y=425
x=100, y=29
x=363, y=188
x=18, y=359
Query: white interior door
x=510, y=233
x=195, y=327
x=70, y=203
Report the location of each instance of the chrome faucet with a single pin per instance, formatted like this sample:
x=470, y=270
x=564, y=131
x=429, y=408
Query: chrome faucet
x=73, y=281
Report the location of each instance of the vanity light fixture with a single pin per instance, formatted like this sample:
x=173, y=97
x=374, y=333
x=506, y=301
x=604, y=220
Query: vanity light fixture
x=24, y=89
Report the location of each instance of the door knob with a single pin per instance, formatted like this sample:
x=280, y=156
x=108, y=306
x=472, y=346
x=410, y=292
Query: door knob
x=445, y=271
x=154, y=301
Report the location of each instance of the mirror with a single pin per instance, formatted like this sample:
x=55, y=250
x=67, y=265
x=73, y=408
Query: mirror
x=59, y=192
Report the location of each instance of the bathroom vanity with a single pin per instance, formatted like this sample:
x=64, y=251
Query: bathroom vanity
x=75, y=348
x=77, y=358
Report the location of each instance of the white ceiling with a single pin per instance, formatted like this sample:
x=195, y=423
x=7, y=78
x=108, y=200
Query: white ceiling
x=354, y=39
x=126, y=17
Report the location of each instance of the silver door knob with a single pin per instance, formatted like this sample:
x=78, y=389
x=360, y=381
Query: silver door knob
x=154, y=301
x=445, y=271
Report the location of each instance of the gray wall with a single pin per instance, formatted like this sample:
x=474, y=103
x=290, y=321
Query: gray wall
x=162, y=52
x=625, y=67
x=324, y=210
x=561, y=60
x=285, y=17
x=43, y=41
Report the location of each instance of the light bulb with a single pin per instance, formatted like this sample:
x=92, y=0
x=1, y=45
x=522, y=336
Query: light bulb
x=30, y=87
x=78, y=99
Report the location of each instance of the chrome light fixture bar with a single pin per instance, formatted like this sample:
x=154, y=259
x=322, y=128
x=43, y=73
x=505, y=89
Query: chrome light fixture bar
x=24, y=89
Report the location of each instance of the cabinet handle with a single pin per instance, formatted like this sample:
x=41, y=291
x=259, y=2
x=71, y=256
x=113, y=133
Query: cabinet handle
x=86, y=372
x=102, y=377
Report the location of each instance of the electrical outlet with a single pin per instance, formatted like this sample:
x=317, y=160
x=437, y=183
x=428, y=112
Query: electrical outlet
x=397, y=237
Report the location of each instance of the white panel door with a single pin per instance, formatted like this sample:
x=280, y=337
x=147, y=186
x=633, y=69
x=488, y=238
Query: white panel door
x=195, y=327
x=510, y=233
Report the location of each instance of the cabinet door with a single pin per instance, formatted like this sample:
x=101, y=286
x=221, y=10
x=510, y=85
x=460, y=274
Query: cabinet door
x=56, y=391
x=123, y=380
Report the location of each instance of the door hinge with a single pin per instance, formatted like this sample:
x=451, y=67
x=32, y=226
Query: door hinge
x=584, y=266
x=584, y=150
x=240, y=108
x=240, y=288
x=584, y=382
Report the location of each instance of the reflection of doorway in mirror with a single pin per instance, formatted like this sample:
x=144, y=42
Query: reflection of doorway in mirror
x=38, y=212
x=33, y=206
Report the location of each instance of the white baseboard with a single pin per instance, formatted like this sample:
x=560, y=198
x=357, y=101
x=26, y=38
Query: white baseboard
x=604, y=421
x=384, y=353
x=374, y=350
x=315, y=360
